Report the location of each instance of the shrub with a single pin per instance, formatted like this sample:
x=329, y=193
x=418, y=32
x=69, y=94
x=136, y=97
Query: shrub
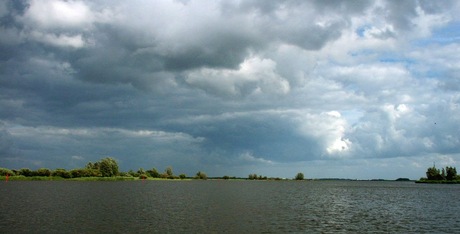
x=60, y=172
x=43, y=172
x=201, y=175
x=153, y=173
x=5, y=171
x=25, y=172
x=299, y=176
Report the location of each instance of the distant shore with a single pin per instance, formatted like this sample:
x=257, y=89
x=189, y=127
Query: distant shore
x=438, y=181
x=130, y=178
x=58, y=178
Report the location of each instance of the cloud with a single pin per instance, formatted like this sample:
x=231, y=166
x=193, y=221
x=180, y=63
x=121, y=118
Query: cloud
x=56, y=14
x=59, y=40
x=247, y=156
x=3, y=9
x=239, y=86
x=254, y=76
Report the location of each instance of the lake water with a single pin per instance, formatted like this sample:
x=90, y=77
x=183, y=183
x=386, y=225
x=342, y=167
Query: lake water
x=228, y=206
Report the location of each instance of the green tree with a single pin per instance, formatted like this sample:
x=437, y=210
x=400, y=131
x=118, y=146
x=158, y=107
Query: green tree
x=6, y=171
x=433, y=174
x=201, y=175
x=182, y=176
x=84, y=172
x=108, y=167
x=141, y=171
x=153, y=173
x=132, y=173
x=43, y=172
x=451, y=173
x=25, y=172
x=299, y=176
x=90, y=165
x=60, y=172
x=252, y=176
x=169, y=172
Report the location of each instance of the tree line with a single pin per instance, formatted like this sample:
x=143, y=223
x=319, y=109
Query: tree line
x=299, y=176
x=106, y=167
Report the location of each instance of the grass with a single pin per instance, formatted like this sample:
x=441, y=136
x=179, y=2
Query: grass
x=31, y=178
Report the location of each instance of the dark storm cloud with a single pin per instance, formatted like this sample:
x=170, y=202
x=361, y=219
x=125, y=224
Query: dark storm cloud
x=241, y=84
x=266, y=133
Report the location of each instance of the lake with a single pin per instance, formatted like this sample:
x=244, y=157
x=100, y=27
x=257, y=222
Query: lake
x=228, y=206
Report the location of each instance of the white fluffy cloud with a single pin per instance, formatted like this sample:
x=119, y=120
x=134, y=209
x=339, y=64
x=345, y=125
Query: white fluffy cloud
x=254, y=76
x=55, y=14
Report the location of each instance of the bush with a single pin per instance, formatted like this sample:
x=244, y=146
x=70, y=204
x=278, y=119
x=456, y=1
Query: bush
x=60, y=172
x=25, y=172
x=5, y=171
x=154, y=173
x=201, y=175
x=299, y=176
x=84, y=172
x=43, y=172
x=169, y=172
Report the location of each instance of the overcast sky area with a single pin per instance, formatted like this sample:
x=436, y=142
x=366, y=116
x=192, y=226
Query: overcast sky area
x=349, y=89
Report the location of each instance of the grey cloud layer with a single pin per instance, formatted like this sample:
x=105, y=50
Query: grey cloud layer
x=243, y=83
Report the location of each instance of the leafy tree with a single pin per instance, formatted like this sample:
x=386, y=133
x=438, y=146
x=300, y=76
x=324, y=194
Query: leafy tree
x=90, y=165
x=299, y=176
x=6, y=171
x=108, y=167
x=201, y=175
x=25, y=172
x=61, y=173
x=141, y=171
x=132, y=173
x=169, y=171
x=43, y=172
x=433, y=174
x=226, y=177
x=451, y=173
x=153, y=173
x=77, y=173
x=84, y=172
x=182, y=176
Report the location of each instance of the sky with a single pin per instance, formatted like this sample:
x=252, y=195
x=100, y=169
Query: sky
x=332, y=89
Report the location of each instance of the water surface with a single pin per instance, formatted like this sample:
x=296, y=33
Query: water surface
x=227, y=206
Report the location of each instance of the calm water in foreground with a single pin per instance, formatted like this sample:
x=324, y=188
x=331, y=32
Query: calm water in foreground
x=227, y=206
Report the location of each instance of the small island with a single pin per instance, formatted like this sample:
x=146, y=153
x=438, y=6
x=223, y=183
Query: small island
x=446, y=175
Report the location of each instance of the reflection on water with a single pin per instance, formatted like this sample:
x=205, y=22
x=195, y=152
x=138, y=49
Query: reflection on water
x=228, y=206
